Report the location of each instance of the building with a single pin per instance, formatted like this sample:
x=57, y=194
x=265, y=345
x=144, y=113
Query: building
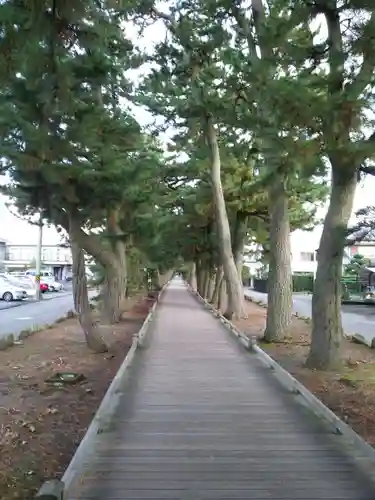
x=55, y=258
x=304, y=245
x=3, y=244
x=366, y=248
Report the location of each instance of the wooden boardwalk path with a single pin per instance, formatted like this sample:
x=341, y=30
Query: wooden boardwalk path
x=201, y=419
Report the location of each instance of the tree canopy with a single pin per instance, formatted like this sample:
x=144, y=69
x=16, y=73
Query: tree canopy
x=264, y=106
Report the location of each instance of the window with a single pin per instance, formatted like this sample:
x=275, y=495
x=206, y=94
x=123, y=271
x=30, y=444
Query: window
x=307, y=256
x=47, y=254
x=28, y=254
x=14, y=254
x=58, y=255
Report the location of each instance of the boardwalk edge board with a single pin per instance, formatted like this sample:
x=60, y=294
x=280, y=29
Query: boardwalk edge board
x=58, y=490
x=293, y=385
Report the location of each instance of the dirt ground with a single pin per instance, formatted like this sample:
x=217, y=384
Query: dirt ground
x=41, y=426
x=349, y=392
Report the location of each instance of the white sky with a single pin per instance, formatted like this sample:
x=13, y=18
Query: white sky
x=20, y=232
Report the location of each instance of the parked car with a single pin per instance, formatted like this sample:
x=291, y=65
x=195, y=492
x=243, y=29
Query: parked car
x=23, y=282
x=53, y=285
x=43, y=274
x=10, y=291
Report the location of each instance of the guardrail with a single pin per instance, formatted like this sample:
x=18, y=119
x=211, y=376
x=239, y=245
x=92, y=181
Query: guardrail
x=58, y=489
x=291, y=384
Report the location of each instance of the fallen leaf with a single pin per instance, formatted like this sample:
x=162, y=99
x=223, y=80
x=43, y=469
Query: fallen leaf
x=52, y=411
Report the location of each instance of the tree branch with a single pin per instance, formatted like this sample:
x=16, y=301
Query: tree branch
x=89, y=242
x=336, y=55
x=370, y=170
x=366, y=149
x=166, y=17
x=355, y=88
x=245, y=27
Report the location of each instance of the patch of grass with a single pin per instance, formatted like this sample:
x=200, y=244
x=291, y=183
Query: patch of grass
x=25, y=333
x=6, y=341
x=360, y=373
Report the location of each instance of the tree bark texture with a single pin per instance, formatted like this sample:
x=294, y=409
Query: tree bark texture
x=239, y=239
x=218, y=280
x=327, y=334
x=81, y=301
x=114, y=264
x=235, y=306
x=223, y=296
x=279, y=311
x=193, y=277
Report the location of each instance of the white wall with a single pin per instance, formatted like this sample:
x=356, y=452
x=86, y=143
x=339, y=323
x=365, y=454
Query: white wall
x=303, y=245
x=50, y=254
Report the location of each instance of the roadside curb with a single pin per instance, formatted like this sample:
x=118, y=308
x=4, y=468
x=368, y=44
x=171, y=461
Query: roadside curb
x=107, y=407
x=361, y=451
x=8, y=340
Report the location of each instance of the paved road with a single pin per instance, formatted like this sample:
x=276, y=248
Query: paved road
x=16, y=319
x=198, y=418
x=357, y=320
x=46, y=296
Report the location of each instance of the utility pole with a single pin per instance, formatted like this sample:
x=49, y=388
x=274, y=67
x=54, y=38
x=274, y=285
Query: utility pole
x=38, y=259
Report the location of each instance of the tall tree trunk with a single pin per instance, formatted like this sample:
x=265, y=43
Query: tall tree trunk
x=113, y=294
x=112, y=263
x=199, y=265
x=211, y=286
x=327, y=334
x=223, y=296
x=165, y=277
x=218, y=280
x=235, y=307
x=123, y=267
x=206, y=286
x=155, y=279
x=81, y=301
x=279, y=311
x=239, y=239
x=193, y=276
x=159, y=279
x=120, y=251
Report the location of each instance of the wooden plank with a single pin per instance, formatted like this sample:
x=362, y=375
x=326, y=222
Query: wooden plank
x=203, y=420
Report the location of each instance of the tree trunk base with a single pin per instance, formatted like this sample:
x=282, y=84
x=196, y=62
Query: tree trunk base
x=315, y=362
x=230, y=316
x=266, y=340
x=96, y=341
x=270, y=338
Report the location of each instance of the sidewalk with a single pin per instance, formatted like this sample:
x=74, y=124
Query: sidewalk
x=201, y=419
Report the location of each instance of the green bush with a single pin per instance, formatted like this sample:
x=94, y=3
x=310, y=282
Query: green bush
x=303, y=283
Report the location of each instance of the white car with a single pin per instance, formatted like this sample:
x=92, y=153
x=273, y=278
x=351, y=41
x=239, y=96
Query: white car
x=10, y=291
x=53, y=285
x=26, y=285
